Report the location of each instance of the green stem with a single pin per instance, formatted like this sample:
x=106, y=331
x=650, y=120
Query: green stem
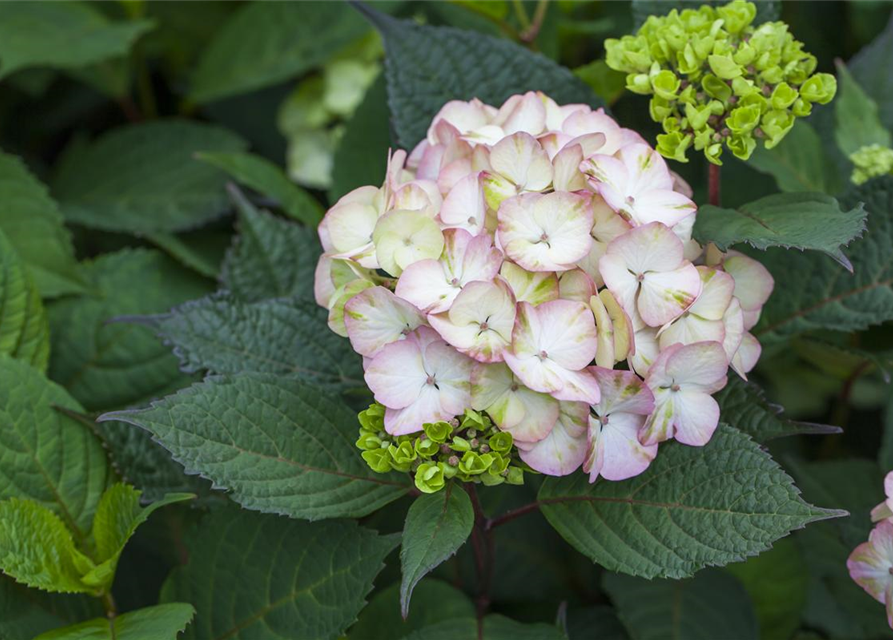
x=521, y=14
x=530, y=33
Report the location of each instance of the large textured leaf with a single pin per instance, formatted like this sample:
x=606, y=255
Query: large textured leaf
x=271, y=258
x=599, y=621
x=26, y=613
x=856, y=116
x=436, y=526
x=812, y=292
x=744, y=405
x=798, y=163
x=790, y=220
x=46, y=456
x=37, y=550
x=111, y=365
x=266, y=43
x=286, y=336
x=265, y=177
x=32, y=222
x=871, y=68
x=281, y=578
x=163, y=622
x=277, y=444
x=694, y=507
x=428, y=66
x=144, y=178
x=709, y=606
x=24, y=330
x=495, y=627
x=65, y=35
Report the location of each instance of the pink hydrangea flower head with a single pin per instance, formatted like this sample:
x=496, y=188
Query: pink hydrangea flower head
x=871, y=566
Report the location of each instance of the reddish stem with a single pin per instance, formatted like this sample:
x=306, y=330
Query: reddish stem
x=713, y=184
x=508, y=516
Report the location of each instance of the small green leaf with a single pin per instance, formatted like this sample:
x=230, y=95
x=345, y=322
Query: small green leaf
x=32, y=223
x=436, y=526
x=271, y=257
x=693, y=507
x=709, y=606
x=603, y=80
x=64, y=35
x=871, y=69
x=117, y=518
x=789, y=220
x=856, y=116
x=162, y=622
x=144, y=178
x=281, y=579
x=428, y=66
x=744, y=406
x=265, y=177
x=798, y=163
x=24, y=330
x=225, y=335
x=107, y=365
x=277, y=444
x=37, y=550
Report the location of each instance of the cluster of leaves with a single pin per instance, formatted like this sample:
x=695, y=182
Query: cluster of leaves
x=159, y=338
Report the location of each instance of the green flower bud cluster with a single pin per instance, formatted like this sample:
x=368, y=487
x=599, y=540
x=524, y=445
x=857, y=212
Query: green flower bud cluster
x=870, y=162
x=717, y=81
x=469, y=448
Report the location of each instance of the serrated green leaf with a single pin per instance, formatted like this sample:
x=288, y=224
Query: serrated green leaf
x=265, y=177
x=144, y=177
x=162, y=622
x=856, y=116
x=709, y=606
x=798, y=163
x=599, y=622
x=744, y=405
x=26, y=613
x=225, y=335
x=790, y=220
x=271, y=257
x=777, y=582
x=812, y=292
x=871, y=68
x=64, y=35
x=24, y=330
x=37, y=549
x=201, y=250
x=265, y=43
x=436, y=526
x=108, y=365
x=46, y=456
x=117, y=518
x=277, y=444
x=435, y=601
x=693, y=507
x=32, y=223
x=428, y=66
x=282, y=578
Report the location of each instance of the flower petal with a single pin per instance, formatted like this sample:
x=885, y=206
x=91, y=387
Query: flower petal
x=664, y=296
x=480, y=320
x=376, y=317
x=535, y=287
x=622, y=392
x=753, y=282
x=614, y=450
x=528, y=415
x=522, y=161
x=403, y=237
x=397, y=376
x=464, y=205
x=563, y=450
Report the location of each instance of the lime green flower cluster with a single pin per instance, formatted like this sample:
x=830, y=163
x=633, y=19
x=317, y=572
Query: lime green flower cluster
x=716, y=80
x=870, y=162
x=470, y=449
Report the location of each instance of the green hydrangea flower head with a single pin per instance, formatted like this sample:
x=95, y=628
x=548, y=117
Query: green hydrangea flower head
x=717, y=81
x=870, y=162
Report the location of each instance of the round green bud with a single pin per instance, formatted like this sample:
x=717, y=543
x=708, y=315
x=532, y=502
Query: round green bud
x=745, y=55
x=671, y=125
x=871, y=161
x=474, y=464
x=703, y=138
x=688, y=61
x=660, y=109
x=402, y=455
x=673, y=145
x=368, y=441
x=426, y=447
x=666, y=84
x=772, y=75
x=755, y=99
x=629, y=54
x=775, y=126
x=438, y=431
x=713, y=153
x=379, y=460
x=744, y=119
x=638, y=83
x=429, y=477
x=742, y=87
x=724, y=67
x=499, y=465
x=716, y=88
x=737, y=15
x=474, y=420
x=460, y=444
x=783, y=96
x=801, y=108
x=515, y=476
x=490, y=480
x=742, y=146
x=697, y=117
x=372, y=419
x=501, y=442
x=689, y=95
x=819, y=88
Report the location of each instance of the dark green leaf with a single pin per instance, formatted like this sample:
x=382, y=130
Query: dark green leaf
x=856, y=116
x=603, y=80
x=436, y=526
x=144, y=178
x=265, y=177
x=26, y=613
x=798, y=163
x=790, y=220
x=812, y=292
x=201, y=250
x=111, y=365
x=599, y=622
x=277, y=444
x=709, y=606
x=281, y=579
x=271, y=258
x=693, y=507
x=164, y=622
x=496, y=627
x=885, y=454
x=429, y=66
x=285, y=336
x=32, y=222
x=46, y=456
x=24, y=330
x=871, y=68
